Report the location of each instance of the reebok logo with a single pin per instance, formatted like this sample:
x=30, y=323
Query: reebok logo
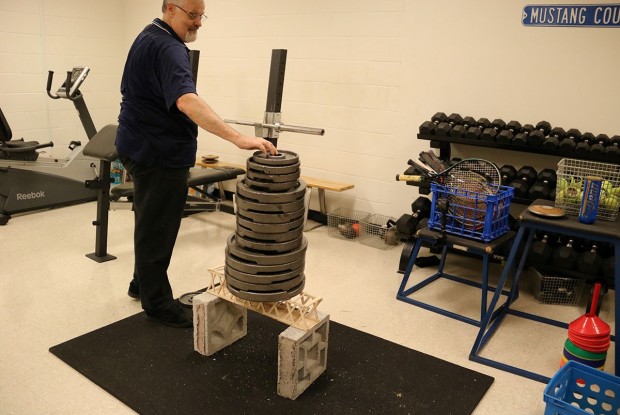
x=31, y=195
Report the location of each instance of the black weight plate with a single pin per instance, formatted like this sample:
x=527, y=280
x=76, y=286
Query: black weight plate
x=263, y=278
x=262, y=246
x=270, y=187
x=292, y=195
x=248, y=205
x=265, y=259
x=265, y=287
x=275, y=237
x=272, y=178
x=271, y=217
x=270, y=227
x=249, y=268
x=283, y=158
x=267, y=297
x=261, y=168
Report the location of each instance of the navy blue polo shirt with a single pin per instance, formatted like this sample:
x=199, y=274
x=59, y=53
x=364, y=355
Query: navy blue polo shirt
x=151, y=128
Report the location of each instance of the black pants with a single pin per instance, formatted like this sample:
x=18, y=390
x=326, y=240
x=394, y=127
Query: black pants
x=158, y=202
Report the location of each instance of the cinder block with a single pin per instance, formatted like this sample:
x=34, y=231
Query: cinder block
x=302, y=357
x=217, y=323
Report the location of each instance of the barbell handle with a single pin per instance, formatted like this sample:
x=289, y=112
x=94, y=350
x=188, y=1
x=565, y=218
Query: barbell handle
x=282, y=127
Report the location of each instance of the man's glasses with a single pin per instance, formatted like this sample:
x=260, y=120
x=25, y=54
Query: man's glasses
x=192, y=16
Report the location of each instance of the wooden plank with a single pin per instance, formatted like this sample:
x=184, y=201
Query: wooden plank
x=310, y=181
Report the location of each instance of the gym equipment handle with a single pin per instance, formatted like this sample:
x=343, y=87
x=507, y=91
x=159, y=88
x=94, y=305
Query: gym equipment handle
x=282, y=127
x=409, y=178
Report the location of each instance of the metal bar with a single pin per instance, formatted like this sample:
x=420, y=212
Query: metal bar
x=276, y=80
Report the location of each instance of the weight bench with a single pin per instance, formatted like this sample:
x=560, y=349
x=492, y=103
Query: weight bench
x=102, y=147
x=17, y=149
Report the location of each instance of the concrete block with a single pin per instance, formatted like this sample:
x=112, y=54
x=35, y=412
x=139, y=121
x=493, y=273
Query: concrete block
x=302, y=357
x=217, y=323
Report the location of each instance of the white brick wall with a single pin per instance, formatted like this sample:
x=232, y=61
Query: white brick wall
x=369, y=72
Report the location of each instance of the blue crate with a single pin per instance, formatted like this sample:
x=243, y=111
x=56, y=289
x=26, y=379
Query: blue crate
x=471, y=214
x=579, y=389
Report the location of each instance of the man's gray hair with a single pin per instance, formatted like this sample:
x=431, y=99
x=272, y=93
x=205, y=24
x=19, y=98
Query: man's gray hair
x=163, y=6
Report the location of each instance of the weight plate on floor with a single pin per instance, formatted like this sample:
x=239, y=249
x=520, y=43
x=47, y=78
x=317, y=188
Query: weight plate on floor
x=265, y=197
x=275, y=237
x=270, y=187
x=271, y=217
x=263, y=278
x=270, y=227
x=261, y=168
x=283, y=158
x=272, y=178
x=249, y=268
x=265, y=259
x=263, y=246
x=266, y=286
x=267, y=297
x=248, y=205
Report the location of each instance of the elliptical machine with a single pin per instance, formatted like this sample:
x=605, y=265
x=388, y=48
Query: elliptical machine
x=28, y=183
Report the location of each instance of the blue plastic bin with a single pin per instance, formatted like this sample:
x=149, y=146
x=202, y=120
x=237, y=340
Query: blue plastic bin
x=479, y=216
x=579, y=389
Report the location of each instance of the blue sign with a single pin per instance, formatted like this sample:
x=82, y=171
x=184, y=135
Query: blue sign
x=572, y=15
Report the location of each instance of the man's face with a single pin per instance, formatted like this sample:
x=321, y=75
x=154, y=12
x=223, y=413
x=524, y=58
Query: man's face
x=181, y=19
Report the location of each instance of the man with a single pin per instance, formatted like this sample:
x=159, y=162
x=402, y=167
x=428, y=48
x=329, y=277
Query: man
x=158, y=125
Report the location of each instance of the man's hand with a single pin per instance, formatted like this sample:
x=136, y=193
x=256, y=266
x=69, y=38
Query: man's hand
x=256, y=143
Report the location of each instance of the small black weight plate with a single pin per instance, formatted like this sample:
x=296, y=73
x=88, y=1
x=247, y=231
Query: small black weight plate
x=264, y=287
x=291, y=195
x=263, y=258
x=279, y=170
x=262, y=246
x=264, y=278
x=270, y=227
x=250, y=268
x=267, y=297
x=248, y=205
x=275, y=237
x=270, y=187
x=272, y=178
x=283, y=158
x=271, y=217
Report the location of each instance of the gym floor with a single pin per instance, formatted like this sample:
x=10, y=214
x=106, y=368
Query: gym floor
x=50, y=292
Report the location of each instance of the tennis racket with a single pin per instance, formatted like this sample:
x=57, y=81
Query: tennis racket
x=472, y=174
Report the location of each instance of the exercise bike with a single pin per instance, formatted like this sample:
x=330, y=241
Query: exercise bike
x=29, y=183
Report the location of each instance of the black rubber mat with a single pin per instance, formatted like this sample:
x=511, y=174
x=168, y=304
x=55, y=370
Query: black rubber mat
x=154, y=369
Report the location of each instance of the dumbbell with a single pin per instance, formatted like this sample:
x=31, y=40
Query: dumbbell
x=526, y=176
x=407, y=223
x=475, y=132
x=459, y=130
x=541, y=249
x=564, y=256
x=589, y=261
x=553, y=140
x=570, y=140
x=428, y=127
x=613, y=147
x=444, y=127
x=598, y=147
x=544, y=185
x=584, y=145
x=505, y=136
x=489, y=134
x=537, y=137
x=521, y=138
x=507, y=174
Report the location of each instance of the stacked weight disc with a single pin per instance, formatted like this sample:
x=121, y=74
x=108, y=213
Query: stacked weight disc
x=265, y=257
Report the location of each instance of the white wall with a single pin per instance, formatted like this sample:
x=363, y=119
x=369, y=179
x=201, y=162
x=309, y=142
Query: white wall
x=369, y=72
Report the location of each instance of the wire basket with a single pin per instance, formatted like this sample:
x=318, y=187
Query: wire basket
x=579, y=389
x=379, y=231
x=471, y=214
x=552, y=289
x=345, y=223
x=569, y=189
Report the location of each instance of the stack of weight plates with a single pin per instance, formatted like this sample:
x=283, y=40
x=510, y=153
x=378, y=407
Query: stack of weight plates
x=265, y=257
